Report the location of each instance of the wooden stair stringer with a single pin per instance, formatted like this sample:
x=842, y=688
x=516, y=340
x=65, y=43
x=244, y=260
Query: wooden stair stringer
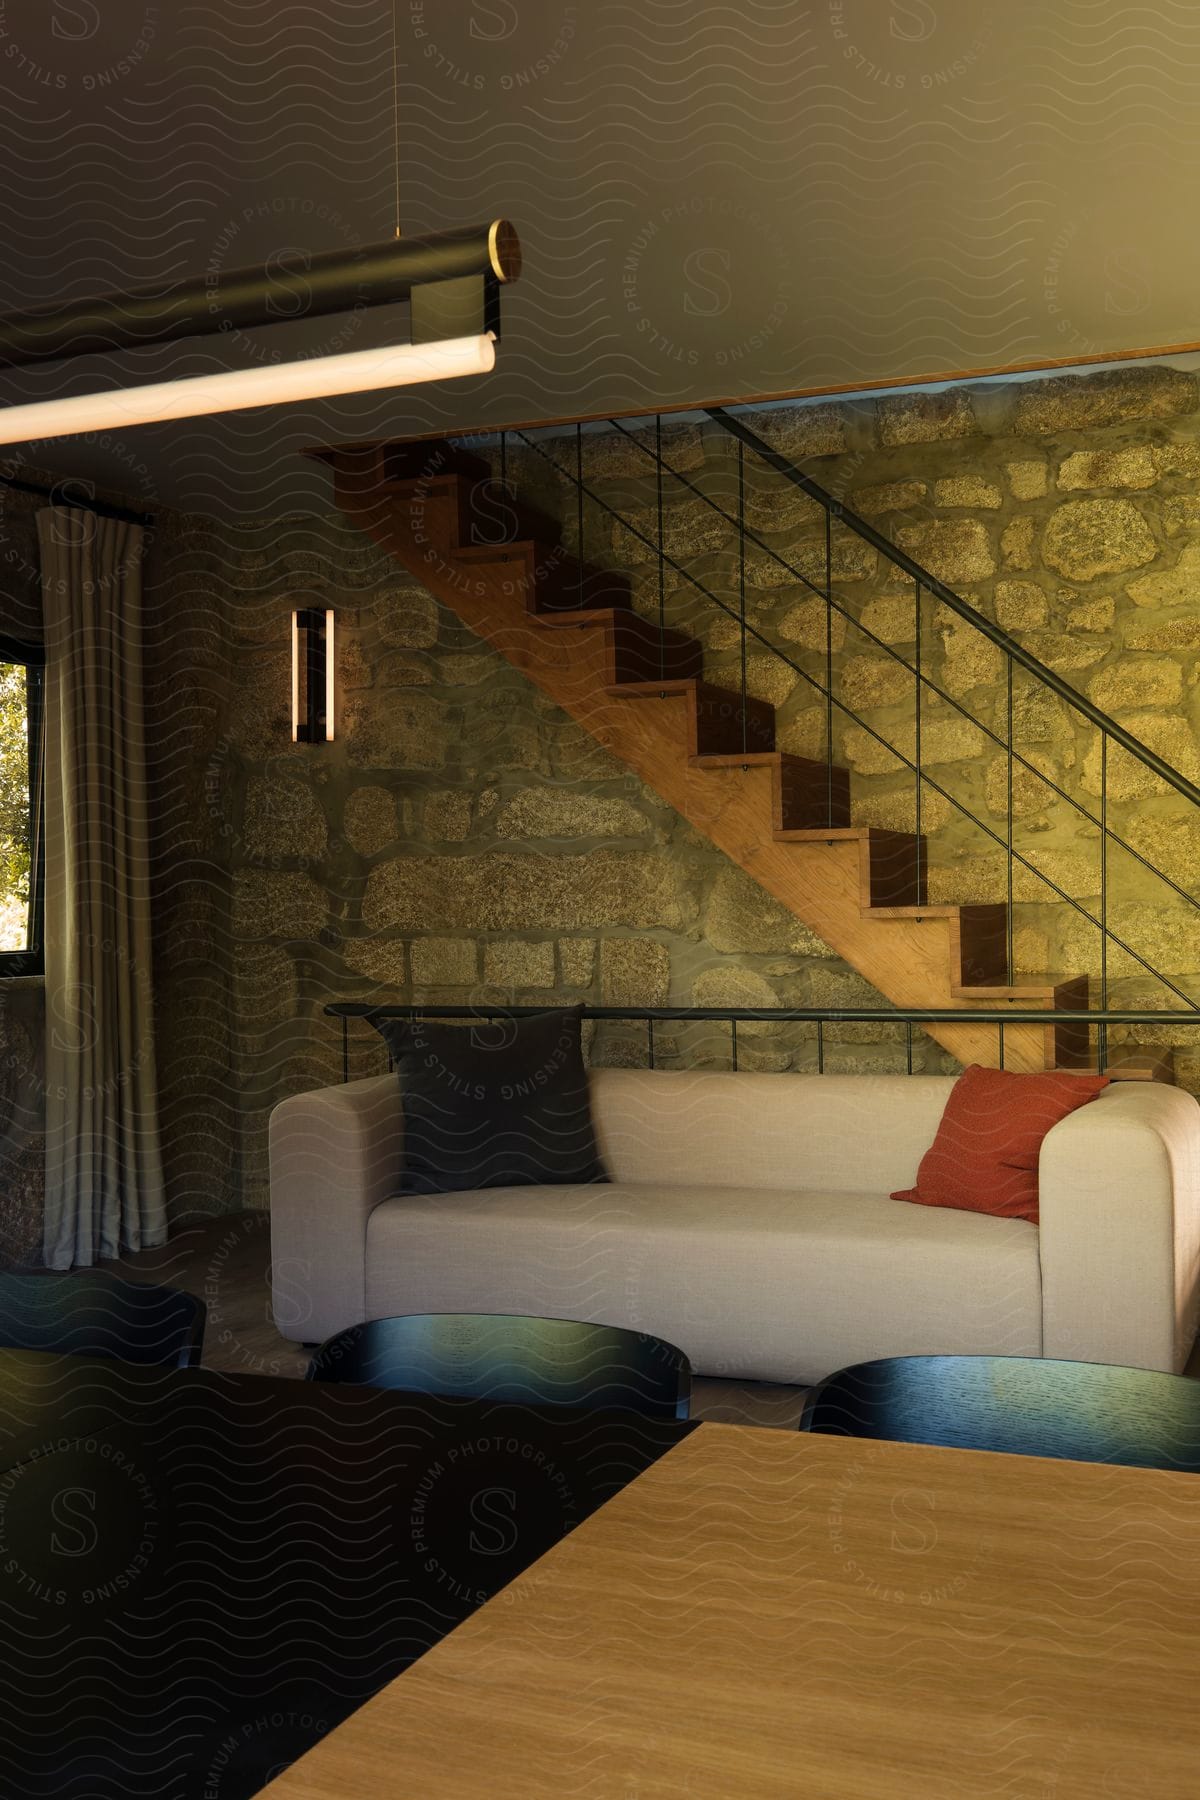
x=907, y=960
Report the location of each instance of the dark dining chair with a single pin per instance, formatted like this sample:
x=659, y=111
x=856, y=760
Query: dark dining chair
x=91, y=1313
x=1030, y=1406
x=509, y=1358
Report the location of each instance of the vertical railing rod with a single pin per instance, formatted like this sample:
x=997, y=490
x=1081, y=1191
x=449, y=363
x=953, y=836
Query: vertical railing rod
x=820, y=1046
x=579, y=507
x=1103, y=871
x=828, y=667
x=1000, y=1062
x=345, y=1049
x=650, y=1041
x=741, y=519
x=733, y=1045
x=908, y=1034
x=1008, y=912
x=662, y=564
x=917, y=735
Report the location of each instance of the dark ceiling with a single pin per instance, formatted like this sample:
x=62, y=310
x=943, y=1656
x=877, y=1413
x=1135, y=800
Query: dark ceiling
x=714, y=198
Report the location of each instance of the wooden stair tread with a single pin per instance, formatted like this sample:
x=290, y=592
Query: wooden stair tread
x=1022, y=992
x=1140, y=1062
x=941, y=909
x=838, y=834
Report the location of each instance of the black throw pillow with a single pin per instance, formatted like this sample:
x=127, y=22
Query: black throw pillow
x=495, y=1103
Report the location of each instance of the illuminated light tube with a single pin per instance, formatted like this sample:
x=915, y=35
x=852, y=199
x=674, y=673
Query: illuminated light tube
x=234, y=390
x=313, y=666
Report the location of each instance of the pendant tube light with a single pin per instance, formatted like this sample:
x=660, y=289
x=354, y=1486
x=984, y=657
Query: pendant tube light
x=234, y=390
x=326, y=282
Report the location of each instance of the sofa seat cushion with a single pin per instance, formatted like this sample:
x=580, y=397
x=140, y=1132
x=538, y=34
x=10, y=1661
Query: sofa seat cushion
x=752, y=1284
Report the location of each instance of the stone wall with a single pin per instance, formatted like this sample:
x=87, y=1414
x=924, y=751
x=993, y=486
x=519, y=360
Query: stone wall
x=1065, y=509
x=462, y=840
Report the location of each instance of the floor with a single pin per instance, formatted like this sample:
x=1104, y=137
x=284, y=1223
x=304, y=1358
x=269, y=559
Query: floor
x=225, y=1262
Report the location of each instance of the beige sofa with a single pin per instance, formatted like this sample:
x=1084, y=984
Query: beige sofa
x=748, y=1222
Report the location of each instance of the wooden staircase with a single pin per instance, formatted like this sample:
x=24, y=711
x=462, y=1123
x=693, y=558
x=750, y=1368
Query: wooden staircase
x=642, y=695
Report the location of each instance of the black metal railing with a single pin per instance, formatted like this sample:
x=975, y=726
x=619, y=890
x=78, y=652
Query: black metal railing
x=559, y=452
x=912, y=1020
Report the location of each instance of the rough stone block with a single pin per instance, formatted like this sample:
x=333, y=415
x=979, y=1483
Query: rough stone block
x=502, y=892
x=868, y=681
x=1133, y=467
x=952, y=549
x=406, y=618
x=1065, y=653
x=577, y=961
x=1181, y=512
x=547, y=812
x=966, y=490
x=1027, y=480
x=519, y=963
x=369, y=820
x=1020, y=605
x=1086, y=538
x=892, y=618
x=925, y=418
x=411, y=732
x=887, y=496
x=282, y=817
x=447, y=816
x=611, y=453
x=742, y=917
x=1111, y=397
x=1170, y=737
x=1173, y=587
x=1164, y=634
x=803, y=429
x=380, y=959
x=445, y=962
x=1016, y=543
x=1137, y=681
x=808, y=622
x=634, y=972
x=722, y=987
x=277, y=904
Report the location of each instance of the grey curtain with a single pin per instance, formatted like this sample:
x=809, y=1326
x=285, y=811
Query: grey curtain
x=104, y=1185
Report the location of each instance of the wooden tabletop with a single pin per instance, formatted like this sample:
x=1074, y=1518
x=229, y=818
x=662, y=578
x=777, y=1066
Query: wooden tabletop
x=767, y=1615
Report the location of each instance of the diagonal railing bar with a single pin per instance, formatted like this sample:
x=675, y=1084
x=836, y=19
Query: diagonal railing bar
x=1044, y=674
x=907, y=762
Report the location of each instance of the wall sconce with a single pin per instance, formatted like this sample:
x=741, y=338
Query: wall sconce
x=312, y=676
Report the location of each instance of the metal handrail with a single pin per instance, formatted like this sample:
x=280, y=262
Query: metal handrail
x=785, y=1015
x=997, y=635
x=747, y=629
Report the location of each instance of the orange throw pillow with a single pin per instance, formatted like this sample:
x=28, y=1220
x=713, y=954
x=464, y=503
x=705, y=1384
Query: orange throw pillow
x=985, y=1155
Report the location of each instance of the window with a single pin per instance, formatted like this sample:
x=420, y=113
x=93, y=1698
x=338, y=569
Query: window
x=21, y=859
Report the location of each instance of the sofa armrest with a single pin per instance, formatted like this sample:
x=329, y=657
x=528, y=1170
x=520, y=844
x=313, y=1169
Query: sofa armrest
x=335, y=1154
x=1120, y=1229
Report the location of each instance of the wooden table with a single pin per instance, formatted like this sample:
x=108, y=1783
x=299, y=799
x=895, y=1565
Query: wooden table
x=769, y=1616
x=201, y=1573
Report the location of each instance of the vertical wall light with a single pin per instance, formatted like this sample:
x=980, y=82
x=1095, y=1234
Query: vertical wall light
x=313, y=664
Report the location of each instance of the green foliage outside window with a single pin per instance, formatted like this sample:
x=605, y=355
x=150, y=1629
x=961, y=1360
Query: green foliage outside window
x=14, y=807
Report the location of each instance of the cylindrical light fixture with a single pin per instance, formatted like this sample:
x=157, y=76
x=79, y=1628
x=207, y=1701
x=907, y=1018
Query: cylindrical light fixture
x=329, y=281
x=452, y=280
x=233, y=390
x=313, y=665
